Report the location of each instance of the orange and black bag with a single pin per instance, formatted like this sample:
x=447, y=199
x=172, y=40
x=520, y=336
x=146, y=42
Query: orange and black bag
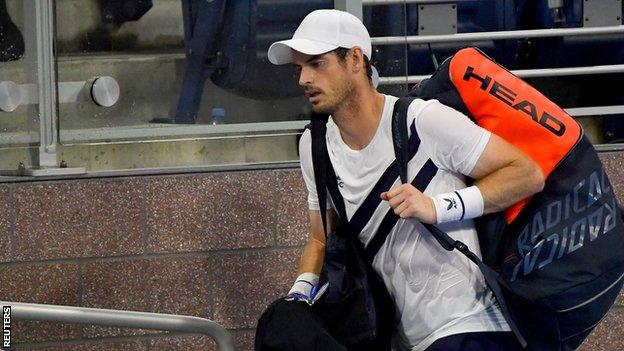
x=559, y=254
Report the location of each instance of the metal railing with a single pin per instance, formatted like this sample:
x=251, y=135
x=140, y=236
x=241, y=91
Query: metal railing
x=517, y=34
x=595, y=110
x=522, y=73
x=497, y=35
x=118, y=318
x=398, y=2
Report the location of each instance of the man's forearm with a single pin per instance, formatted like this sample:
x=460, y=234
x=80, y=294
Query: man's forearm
x=510, y=184
x=504, y=176
x=309, y=270
x=312, y=257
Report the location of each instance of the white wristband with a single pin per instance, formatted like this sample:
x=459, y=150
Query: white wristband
x=304, y=283
x=461, y=204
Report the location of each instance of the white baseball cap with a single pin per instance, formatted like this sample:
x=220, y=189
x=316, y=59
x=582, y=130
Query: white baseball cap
x=322, y=31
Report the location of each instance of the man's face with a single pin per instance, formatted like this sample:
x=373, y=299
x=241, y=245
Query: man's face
x=325, y=80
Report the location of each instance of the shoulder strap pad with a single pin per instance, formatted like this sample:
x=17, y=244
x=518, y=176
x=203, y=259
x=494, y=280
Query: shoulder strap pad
x=399, y=135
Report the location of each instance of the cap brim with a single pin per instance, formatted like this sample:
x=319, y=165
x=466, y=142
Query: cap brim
x=281, y=52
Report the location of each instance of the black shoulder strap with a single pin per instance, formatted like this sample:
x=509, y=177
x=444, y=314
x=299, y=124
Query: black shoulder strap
x=332, y=187
x=401, y=147
x=317, y=131
x=324, y=174
x=399, y=135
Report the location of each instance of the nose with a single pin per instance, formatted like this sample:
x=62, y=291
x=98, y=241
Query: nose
x=305, y=76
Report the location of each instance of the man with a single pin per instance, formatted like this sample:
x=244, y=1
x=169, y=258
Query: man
x=441, y=300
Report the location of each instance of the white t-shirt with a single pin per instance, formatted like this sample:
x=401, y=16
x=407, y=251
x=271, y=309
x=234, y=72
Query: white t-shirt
x=436, y=292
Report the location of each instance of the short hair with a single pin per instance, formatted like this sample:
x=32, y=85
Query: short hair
x=342, y=56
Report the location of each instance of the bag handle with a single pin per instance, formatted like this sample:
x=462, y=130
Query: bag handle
x=399, y=140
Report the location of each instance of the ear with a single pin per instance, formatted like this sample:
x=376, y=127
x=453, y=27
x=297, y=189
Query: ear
x=357, y=58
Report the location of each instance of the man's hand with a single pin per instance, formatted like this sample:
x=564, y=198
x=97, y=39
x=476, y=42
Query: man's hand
x=409, y=202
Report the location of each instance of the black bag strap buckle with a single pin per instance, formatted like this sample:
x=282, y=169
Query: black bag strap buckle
x=461, y=247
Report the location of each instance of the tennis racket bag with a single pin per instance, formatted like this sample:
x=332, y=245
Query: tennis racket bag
x=561, y=252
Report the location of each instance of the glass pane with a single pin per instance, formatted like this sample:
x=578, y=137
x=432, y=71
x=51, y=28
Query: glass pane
x=176, y=64
x=19, y=120
x=390, y=60
x=144, y=49
x=141, y=47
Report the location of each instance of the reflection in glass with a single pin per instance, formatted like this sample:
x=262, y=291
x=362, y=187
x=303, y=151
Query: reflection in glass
x=178, y=61
x=212, y=52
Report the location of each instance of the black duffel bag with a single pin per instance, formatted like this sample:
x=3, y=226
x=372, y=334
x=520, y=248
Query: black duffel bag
x=356, y=309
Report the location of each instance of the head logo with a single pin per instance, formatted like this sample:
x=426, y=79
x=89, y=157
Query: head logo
x=510, y=98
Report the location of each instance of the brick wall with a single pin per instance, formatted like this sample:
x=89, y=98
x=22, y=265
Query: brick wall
x=214, y=245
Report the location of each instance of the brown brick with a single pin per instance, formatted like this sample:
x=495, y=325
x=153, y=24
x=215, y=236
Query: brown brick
x=292, y=208
x=99, y=331
x=220, y=211
x=118, y=285
x=245, y=283
x=614, y=165
x=243, y=341
x=55, y=284
x=166, y=285
x=183, y=342
x=40, y=283
x=136, y=345
x=608, y=335
x=37, y=331
x=181, y=286
x=78, y=219
x=5, y=225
